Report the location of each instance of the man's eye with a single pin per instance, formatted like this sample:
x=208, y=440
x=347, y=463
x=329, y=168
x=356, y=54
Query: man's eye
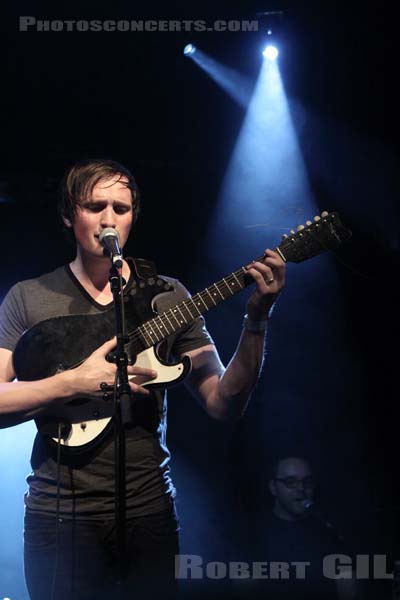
x=97, y=208
x=92, y=207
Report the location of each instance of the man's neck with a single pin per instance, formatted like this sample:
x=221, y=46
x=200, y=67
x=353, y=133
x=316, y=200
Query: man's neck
x=283, y=514
x=95, y=271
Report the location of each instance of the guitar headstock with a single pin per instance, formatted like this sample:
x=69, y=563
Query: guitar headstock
x=324, y=233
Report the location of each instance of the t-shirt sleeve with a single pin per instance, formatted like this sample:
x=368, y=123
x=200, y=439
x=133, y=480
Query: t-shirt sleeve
x=195, y=334
x=12, y=318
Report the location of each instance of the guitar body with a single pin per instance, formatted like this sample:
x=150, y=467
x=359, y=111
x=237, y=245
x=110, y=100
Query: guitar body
x=61, y=343
x=85, y=421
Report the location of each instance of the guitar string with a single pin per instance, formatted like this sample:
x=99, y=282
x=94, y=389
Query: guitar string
x=145, y=330
x=140, y=334
x=145, y=333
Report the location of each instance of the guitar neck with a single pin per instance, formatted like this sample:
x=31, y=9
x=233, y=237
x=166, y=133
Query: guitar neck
x=326, y=233
x=158, y=329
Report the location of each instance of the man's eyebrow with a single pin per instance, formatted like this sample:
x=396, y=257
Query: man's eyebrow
x=103, y=201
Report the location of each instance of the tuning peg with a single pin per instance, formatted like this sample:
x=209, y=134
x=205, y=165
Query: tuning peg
x=300, y=227
x=292, y=231
x=308, y=223
x=324, y=213
x=285, y=236
x=317, y=218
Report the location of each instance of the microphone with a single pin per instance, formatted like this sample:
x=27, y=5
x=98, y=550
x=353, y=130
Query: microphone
x=310, y=509
x=109, y=239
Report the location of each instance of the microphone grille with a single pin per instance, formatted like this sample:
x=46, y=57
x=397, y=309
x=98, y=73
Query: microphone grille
x=108, y=232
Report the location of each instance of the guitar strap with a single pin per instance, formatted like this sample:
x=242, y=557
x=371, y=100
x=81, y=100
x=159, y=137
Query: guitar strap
x=144, y=269
x=147, y=284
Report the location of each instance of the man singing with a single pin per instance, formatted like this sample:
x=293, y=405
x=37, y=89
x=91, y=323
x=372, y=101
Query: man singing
x=75, y=556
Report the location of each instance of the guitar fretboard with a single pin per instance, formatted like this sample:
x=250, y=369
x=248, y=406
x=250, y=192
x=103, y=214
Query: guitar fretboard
x=158, y=329
x=324, y=234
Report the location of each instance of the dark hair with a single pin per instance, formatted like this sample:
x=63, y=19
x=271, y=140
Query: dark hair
x=273, y=471
x=82, y=177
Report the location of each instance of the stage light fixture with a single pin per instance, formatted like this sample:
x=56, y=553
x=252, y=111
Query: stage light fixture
x=270, y=52
x=189, y=49
x=270, y=24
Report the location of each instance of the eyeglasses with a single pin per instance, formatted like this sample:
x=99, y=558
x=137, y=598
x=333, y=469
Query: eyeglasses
x=293, y=483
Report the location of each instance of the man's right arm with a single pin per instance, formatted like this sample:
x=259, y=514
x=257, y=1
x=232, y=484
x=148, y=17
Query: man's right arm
x=23, y=400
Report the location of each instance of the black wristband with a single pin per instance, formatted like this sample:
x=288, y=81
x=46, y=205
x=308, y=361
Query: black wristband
x=254, y=326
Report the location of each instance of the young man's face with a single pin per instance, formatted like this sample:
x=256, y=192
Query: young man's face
x=292, y=488
x=109, y=205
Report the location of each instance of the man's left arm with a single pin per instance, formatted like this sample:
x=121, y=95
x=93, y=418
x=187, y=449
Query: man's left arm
x=224, y=393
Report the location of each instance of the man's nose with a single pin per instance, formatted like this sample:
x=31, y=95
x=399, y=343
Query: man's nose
x=300, y=486
x=108, y=217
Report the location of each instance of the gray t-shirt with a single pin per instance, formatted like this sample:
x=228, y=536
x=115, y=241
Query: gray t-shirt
x=87, y=479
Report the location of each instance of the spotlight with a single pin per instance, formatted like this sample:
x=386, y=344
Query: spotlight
x=271, y=22
x=189, y=49
x=270, y=52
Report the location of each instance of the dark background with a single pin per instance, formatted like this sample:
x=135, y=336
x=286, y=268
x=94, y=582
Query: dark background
x=136, y=98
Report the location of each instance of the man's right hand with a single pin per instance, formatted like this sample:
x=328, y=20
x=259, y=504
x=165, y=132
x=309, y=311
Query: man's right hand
x=85, y=380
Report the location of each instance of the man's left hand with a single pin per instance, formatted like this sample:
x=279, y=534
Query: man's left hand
x=269, y=276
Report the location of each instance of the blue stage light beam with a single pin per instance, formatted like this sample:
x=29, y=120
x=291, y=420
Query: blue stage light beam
x=237, y=86
x=15, y=447
x=265, y=188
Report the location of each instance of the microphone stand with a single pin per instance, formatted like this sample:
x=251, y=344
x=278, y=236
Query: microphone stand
x=122, y=417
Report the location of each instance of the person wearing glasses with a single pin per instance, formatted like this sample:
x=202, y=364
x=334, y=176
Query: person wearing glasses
x=292, y=487
x=294, y=539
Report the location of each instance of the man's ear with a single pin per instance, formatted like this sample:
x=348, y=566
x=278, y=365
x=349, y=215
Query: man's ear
x=67, y=222
x=272, y=487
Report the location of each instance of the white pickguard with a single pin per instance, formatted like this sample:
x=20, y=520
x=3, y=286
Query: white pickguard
x=88, y=420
